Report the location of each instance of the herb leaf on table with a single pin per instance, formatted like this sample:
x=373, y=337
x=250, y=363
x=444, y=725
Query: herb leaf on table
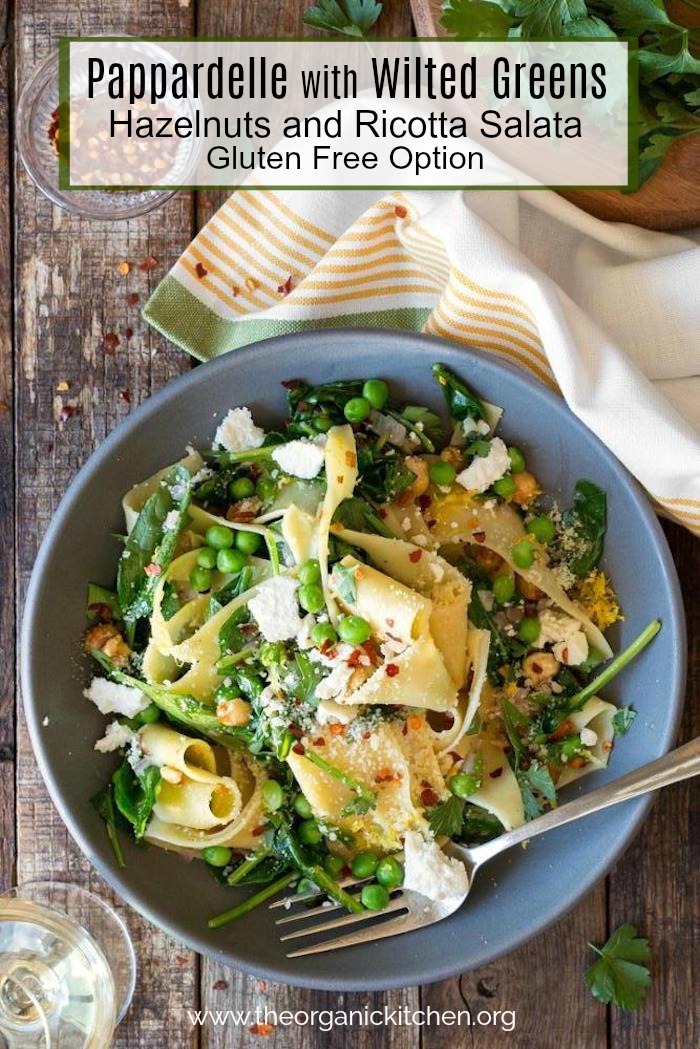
x=621, y=975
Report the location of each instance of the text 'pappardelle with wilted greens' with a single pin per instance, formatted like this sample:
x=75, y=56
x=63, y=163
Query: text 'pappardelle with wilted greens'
x=333, y=647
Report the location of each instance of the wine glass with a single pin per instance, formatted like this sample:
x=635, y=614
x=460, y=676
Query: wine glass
x=67, y=968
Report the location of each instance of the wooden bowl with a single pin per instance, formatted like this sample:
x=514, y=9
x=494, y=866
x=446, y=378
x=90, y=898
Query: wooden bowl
x=670, y=199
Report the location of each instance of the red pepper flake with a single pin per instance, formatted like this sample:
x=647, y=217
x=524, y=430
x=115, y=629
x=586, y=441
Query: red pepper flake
x=454, y=755
x=326, y=647
x=429, y=798
x=366, y=735
x=400, y=211
x=110, y=341
x=132, y=298
x=299, y=748
x=478, y=537
x=415, y=556
x=257, y=831
x=382, y=512
x=284, y=289
x=497, y=773
x=102, y=612
x=404, y=729
x=384, y=776
x=153, y=569
x=201, y=270
x=262, y=1029
x=391, y=670
x=372, y=652
x=353, y=659
x=424, y=502
x=320, y=742
x=431, y=523
x=68, y=411
x=149, y=263
x=220, y=985
x=295, y=730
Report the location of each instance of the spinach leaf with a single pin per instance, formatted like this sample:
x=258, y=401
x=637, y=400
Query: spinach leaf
x=513, y=719
x=231, y=637
x=149, y=543
x=357, y=514
x=306, y=676
x=478, y=825
x=421, y=422
x=381, y=480
x=461, y=402
x=503, y=650
x=104, y=803
x=588, y=516
x=101, y=603
x=135, y=794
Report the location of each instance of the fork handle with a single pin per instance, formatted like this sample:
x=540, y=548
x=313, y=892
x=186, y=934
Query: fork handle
x=678, y=765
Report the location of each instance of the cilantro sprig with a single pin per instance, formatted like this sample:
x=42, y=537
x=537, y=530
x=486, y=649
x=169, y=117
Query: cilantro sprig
x=621, y=974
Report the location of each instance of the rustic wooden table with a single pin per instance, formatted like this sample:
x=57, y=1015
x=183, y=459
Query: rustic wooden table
x=60, y=292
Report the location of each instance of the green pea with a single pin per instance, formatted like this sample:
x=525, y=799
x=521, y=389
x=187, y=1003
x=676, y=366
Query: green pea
x=503, y=588
x=357, y=409
x=266, y=489
x=333, y=865
x=230, y=561
x=217, y=855
x=323, y=423
x=248, y=542
x=354, y=630
x=322, y=633
x=309, y=832
x=374, y=897
x=272, y=794
x=529, y=630
x=517, y=460
x=376, y=392
x=302, y=807
x=389, y=873
x=219, y=536
x=505, y=487
x=311, y=598
x=206, y=557
x=241, y=488
x=463, y=785
x=542, y=528
x=442, y=473
x=310, y=572
x=364, y=864
x=523, y=553
x=201, y=579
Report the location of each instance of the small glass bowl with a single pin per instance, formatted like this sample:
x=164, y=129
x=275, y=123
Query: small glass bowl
x=35, y=114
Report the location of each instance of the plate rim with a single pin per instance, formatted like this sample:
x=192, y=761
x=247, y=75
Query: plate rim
x=153, y=405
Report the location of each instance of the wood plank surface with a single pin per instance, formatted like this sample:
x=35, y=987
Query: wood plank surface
x=7, y=510
x=69, y=294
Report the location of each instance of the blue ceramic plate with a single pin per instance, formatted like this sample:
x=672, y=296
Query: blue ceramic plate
x=524, y=891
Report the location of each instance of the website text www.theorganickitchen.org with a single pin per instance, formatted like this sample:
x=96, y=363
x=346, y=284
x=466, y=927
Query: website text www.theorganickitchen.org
x=264, y=1020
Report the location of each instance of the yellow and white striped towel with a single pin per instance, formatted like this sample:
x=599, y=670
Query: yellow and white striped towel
x=607, y=313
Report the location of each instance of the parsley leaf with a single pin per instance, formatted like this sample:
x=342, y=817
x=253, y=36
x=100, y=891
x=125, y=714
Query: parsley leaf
x=347, y=17
x=622, y=720
x=446, y=818
x=621, y=975
x=548, y=17
x=476, y=19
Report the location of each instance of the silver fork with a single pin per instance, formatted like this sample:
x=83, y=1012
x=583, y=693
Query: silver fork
x=408, y=910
